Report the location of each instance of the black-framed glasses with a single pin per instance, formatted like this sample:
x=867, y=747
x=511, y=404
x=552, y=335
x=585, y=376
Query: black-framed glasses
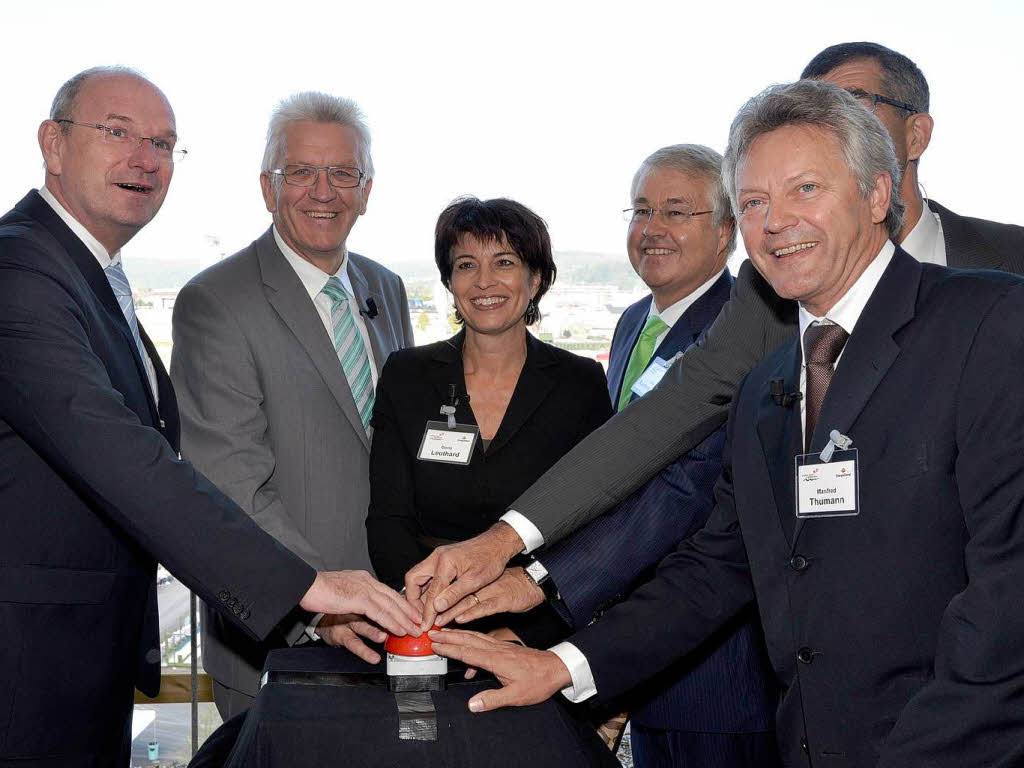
x=671, y=215
x=129, y=140
x=872, y=100
x=338, y=176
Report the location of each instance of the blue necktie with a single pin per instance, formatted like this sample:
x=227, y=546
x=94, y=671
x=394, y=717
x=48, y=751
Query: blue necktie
x=123, y=291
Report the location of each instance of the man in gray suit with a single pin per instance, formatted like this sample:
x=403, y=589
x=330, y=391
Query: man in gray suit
x=693, y=397
x=276, y=356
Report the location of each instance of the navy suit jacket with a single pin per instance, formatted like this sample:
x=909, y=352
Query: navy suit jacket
x=896, y=634
x=92, y=495
x=727, y=687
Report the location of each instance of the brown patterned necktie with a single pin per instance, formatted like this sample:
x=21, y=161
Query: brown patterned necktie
x=822, y=345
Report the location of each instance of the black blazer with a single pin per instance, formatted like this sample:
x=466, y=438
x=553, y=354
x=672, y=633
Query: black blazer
x=897, y=634
x=92, y=495
x=559, y=399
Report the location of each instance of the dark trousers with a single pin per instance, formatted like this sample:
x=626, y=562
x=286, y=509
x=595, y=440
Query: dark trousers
x=229, y=701
x=653, y=748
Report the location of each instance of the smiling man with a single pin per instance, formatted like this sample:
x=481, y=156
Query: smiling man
x=276, y=355
x=892, y=628
x=93, y=493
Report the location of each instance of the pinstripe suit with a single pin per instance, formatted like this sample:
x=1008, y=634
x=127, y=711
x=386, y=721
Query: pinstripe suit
x=693, y=398
x=717, y=707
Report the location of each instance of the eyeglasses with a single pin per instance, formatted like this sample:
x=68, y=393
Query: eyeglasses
x=130, y=141
x=338, y=176
x=671, y=216
x=872, y=100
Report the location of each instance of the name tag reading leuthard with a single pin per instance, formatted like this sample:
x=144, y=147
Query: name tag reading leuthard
x=827, y=483
x=448, y=443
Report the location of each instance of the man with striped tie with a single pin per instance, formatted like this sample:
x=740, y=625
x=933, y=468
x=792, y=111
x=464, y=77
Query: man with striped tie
x=276, y=356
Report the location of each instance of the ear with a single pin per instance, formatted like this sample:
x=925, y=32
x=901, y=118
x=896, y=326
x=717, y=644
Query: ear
x=365, y=197
x=269, y=194
x=725, y=233
x=918, y=135
x=51, y=143
x=534, y=283
x=879, y=197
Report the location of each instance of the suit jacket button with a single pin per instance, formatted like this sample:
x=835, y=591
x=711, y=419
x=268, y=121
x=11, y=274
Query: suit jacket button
x=232, y=602
x=224, y=595
x=244, y=614
x=798, y=563
x=237, y=610
x=804, y=747
x=805, y=655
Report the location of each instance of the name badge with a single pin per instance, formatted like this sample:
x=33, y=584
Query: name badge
x=448, y=443
x=827, y=488
x=649, y=378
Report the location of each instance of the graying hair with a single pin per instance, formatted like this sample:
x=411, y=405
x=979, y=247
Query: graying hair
x=693, y=160
x=315, y=107
x=63, y=105
x=865, y=143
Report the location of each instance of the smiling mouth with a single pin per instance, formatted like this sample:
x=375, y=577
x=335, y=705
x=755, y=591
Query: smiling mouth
x=488, y=301
x=793, y=249
x=321, y=214
x=658, y=251
x=140, y=188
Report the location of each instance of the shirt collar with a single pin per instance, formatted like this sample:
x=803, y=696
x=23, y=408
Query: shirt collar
x=847, y=310
x=313, y=278
x=95, y=246
x=924, y=242
x=671, y=314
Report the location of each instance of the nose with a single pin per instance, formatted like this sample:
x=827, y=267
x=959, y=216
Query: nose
x=322, y=191
x=777, y=217
x=145, y=157
x=655, y=226
x=484, y=276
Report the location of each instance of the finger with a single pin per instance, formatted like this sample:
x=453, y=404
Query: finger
x=361, y=649
x=387, y=614
x=368, y=630
x=514, y=695
x=445, y=574
x=470, y=655
x=468, y=603
x=400, y=602
x=455, y=591
x=470, y=673
x=421, y=573
x=487, y=607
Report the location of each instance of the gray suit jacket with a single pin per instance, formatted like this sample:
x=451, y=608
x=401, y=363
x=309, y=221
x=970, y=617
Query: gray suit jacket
x=693, y=398
x=267, y=414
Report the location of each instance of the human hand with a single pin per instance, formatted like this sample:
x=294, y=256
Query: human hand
x=344, y=630
x=513, y=592
x=528, y=676
x=453, y=571
x=341, y=592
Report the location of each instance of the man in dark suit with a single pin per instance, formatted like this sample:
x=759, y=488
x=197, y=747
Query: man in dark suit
x=693, y=398
x=894, y=628
x=93, y=492
x=269, y=413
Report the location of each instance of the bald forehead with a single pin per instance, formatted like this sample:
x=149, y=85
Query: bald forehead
x=668, y=184
x=122, y=95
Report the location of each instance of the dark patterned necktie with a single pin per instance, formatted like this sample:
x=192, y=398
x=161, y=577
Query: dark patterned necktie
x=822, y=345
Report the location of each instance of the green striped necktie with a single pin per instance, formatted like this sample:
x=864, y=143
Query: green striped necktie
x=640, y=357
x=348, y=343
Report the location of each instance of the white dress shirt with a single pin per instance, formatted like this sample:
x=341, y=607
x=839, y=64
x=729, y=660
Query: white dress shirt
x=105, y=260
x=925, y=241
x=314, y=279
x=845, y=314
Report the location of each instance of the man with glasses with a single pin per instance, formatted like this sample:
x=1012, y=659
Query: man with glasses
x=276, y=355
x=92, y=491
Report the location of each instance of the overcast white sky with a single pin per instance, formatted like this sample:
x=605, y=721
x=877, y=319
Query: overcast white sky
x=552, y=103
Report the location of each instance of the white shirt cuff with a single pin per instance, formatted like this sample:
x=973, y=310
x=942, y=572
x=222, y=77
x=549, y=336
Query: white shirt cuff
x=528, y=532
x=583, y=685
x=311, y=627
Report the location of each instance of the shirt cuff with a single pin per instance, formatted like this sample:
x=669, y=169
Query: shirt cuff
x=583, y=685
x=311, y=627
x=528, y=532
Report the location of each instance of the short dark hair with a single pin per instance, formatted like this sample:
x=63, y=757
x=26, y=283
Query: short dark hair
x=493, y=221
x=901, y=77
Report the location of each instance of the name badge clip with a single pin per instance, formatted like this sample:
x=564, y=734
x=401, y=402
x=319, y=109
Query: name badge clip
x=835, y=440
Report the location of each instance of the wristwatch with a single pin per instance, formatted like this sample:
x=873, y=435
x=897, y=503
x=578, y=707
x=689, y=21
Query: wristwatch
x=538, y=574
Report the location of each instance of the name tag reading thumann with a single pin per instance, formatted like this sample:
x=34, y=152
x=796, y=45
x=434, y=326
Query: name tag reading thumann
x=448, y=443
x=827, y=483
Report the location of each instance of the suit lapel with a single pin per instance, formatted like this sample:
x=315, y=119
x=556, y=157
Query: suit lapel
x=447, y=372
x=965, y=247
x=533, y=386
x=33, y=205
x=288, y=297
x=632, y=323
x=376, y=328
x=869, y=353
x=778, y=427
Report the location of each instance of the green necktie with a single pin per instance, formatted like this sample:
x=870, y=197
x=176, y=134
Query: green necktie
x=640, y=356
x=348, y=343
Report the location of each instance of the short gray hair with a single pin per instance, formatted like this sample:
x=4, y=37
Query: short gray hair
x=63, y=105
x=865, y=143
x=316, y=107
x=693, y=160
